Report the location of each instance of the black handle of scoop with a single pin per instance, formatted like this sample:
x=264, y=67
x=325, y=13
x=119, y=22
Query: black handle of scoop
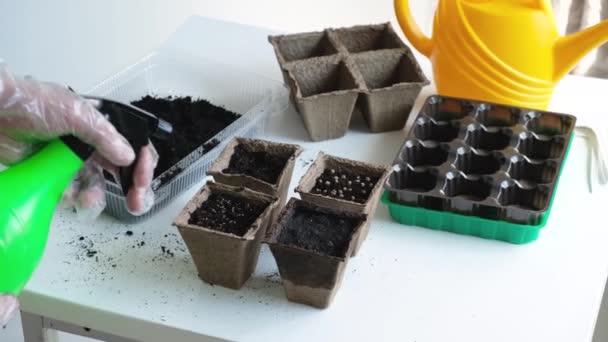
x=137, y=126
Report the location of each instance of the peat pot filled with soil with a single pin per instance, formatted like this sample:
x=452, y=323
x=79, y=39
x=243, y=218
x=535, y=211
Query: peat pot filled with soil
x=223, y=227
x=344, y=184
x=259, y=165
x=311, y=245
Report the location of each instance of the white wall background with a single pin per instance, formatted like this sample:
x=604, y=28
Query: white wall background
x=120, y=31
x=36, y=35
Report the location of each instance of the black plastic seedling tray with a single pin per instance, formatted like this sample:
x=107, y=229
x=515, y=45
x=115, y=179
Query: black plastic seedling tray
x=481, y=159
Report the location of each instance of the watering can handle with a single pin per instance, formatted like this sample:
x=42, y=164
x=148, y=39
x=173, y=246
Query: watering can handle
x=411, y=30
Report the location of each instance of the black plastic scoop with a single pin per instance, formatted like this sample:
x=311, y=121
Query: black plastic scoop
x=136, y=125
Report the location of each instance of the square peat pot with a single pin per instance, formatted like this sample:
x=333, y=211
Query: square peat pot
x=258, y=165
x=344, y=184
x=311, y=245
x=223, y=227
x=363, y=38
x=325, y=92
x=302, y=46
x=393, y=79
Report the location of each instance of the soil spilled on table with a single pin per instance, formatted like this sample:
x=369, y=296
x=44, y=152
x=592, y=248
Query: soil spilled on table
x=345, y=185
x=257, y=164
x=227, y=213
x=323, y=233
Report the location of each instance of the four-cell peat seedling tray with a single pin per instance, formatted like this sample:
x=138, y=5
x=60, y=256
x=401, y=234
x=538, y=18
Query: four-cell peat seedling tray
x=311, y=239
x=224, y=224
x=481, y=169
x=207, y=102
x=334, y=72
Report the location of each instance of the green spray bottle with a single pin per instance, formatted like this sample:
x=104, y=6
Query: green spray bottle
x=31, y=190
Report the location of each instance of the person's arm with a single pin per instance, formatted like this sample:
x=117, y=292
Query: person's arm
x=33, y=112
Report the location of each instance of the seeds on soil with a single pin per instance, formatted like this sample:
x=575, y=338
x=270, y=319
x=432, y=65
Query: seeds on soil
x=344, y=184
x=232, y=214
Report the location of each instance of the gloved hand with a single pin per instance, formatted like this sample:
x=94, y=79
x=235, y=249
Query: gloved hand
x=33, y=112
x=8, y=308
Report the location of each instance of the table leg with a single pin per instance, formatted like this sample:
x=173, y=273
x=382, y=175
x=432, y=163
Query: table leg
x=52, y=324
x=33, y=327
x=37, y=328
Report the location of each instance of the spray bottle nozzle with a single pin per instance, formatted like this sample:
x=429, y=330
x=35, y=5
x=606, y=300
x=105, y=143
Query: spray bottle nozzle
x=130, y=120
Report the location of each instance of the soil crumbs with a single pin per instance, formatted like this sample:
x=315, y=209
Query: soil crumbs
x=323, y=233
x=258, y=164
x=345, y=185
x=227, y=213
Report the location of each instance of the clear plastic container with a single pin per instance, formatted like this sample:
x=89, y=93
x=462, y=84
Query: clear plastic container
x=165, y=73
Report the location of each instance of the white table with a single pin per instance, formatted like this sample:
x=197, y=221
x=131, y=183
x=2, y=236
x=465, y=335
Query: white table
x=407, y=283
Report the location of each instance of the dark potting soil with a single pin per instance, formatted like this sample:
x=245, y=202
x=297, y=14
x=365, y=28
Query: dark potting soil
x=345, y=185
x=258, y=164
x=194, y=121
x=166, y=177
x=227, y=213
x=323, y=233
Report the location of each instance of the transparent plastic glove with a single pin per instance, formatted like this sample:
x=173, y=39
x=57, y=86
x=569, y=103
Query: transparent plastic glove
x=32, y=112
x=87, y=191
x=8, y=308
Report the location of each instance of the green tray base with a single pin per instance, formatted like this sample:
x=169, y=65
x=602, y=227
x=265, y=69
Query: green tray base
x=463, y=224
x=472, y=225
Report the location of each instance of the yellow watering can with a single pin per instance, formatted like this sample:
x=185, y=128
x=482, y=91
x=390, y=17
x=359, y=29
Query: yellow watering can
x=505, y=51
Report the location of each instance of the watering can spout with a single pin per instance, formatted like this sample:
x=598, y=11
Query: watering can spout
x=572, y=48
